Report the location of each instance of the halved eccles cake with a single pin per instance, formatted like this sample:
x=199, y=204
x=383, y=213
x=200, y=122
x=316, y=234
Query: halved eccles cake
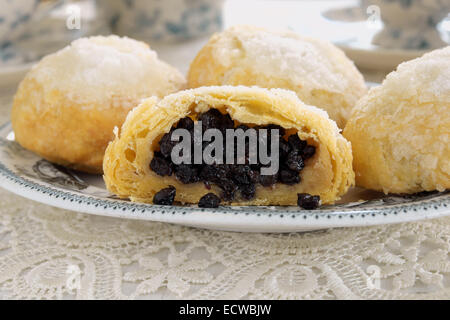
x=316, y=70
x=400, y=131
x=314, y=160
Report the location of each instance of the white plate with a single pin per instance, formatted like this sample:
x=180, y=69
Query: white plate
x=24, y=173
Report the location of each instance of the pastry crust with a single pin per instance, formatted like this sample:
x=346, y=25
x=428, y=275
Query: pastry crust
x=67, y=106
x=126, y=164
x=316, y=70
x=400, y=131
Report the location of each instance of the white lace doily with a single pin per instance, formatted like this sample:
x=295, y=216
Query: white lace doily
x=52, y=253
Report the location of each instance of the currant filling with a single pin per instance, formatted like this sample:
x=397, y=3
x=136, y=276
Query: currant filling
x=209, y=200
x=307, y=201
x=165, y=197
x=233, y=179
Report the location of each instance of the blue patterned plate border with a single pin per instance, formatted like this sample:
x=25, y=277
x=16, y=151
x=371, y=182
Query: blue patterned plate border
x=27, y=175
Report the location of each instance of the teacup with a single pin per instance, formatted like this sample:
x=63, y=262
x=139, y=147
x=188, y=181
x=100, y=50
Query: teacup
x=166, y=20
x=15, y=16
x=30, y=29
x=410, y=24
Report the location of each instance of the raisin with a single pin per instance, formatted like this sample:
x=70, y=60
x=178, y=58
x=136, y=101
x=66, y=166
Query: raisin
x=295, y=162
x=268, y=180
x=289, y=177
x=229, y=189
x=227, y=123
x=213, y=173
x=296, y=143
x=307, y=201
x=254, y=176
x=243, y=127
x=248, y=191
x=165, y=197
x=271, y=127
x=186, y=123
x=212, y=119
x=166, y=144
x=241, y=174
x=186, y=173
x=161, y=166
x=309, y=151
x=284, y=149
x=209, y=200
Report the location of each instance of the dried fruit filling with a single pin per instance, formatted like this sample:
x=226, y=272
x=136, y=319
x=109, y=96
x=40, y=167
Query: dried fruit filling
x=235, y=180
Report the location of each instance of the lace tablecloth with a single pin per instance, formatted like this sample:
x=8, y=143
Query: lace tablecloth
x=52, y=253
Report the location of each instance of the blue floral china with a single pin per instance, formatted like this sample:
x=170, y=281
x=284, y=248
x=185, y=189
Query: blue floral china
x=166, y=20
x=410, y=24
x=30, y=29
x=15, y=16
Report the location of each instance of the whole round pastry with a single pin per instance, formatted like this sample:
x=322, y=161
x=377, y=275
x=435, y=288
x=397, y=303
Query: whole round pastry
x=400, y=131
x=316, y=70
x=67, y=106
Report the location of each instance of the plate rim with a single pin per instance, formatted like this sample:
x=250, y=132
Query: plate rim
x=229, y=218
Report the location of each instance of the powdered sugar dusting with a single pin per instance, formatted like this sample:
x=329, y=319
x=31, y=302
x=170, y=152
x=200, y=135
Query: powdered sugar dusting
x=98, y=68
x=310, y=63
x=428, y=76
x=293, y=58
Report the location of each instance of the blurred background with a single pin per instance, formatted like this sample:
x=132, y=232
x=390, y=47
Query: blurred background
x=376, y=34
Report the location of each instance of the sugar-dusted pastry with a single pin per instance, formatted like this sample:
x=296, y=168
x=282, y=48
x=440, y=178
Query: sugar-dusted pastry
x=68, y=105
x=400, y=131
x=314, y=160
x=316, y=70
